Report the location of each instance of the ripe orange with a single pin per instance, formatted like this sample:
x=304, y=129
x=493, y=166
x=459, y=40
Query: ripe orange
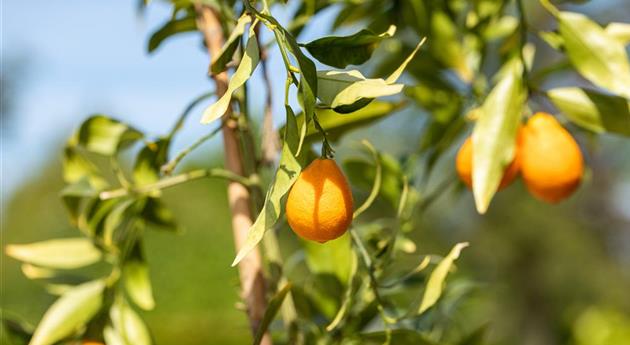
x=551, y=161
x=319, y=205
x=463, y=165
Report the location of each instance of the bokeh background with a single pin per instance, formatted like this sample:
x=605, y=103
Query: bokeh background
x=537, y=274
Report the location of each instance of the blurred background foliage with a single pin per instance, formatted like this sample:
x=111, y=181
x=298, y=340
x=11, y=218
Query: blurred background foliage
x=534, y=273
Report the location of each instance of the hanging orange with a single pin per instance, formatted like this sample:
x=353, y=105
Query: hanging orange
x=551, y=161
x=319, y=205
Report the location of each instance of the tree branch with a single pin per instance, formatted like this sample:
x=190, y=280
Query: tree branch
x=250, y=268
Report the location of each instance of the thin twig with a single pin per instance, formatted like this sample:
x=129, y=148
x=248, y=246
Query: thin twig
x=173, y=181
x=168, y=168
x=182, y=118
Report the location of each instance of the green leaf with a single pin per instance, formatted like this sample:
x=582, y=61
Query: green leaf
x=599, y=57
x=220, y=61
x=353, y=283
x=494, y=135
x=270, y=313
x=446, y=45
x=128, y=324
x=149, y=161
x=348, y=91
x=376, y=186
x=70, y=312
x=397, y=336
x=137, y=280
x=243, y=73
x=76, y=196
x=103, y=135
x=112, y=337
x=77, y=168
x=332, y=257
x=553, y=39
x=435, y=284
x=288, y=171
x=344, y=90
x=595, y=111
x=169, y=29
x=119, y=215
x=341, y=51
x=66, y=253
x=619, y=31
x=156, y=213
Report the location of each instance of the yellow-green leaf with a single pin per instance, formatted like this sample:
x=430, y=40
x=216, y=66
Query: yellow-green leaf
x=66, y=253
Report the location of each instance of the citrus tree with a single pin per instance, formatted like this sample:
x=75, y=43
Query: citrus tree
x=355, y=277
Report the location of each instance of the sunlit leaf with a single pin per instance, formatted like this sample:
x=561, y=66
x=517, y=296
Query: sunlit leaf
x=70, y=312
x=66, y=253
x=339, y=89
x=288, y=171
x=128, y=324
x=77, y=168
x=593, y=110
x=272, y=309
x=115, y=219
x=227, y=52
x=341, y=51
x=112, y=337
x=599, y=57
x=494, y=135
x=248, y=64
x=169, y=29
x=149, y=160
x=103, y=135
x=137, y=280
x=619, y=31
x=435, y=284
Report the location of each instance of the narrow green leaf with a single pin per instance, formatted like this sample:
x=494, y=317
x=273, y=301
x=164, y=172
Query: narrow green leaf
x=354, y=282
x=66, y=253
x=347, y=88
x=593, y=110
x=446, y=44
x=270, y=313
x=227, y=52
x=114, y=219
x=494, y=135
x=70, y=312
x=128, y=324
x=169, y=29
x=137, y=280
x=598, y=56
x=288, y=171
x=435, y=284
x=36, y=272
x=103, y=135
x=553, y=39
x=398, y=72
x=341, y=51
x=243, y=73
x=376, y=187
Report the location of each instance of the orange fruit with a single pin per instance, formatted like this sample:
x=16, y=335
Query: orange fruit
x=463, y=165
x=319, y=205
x=551, y=161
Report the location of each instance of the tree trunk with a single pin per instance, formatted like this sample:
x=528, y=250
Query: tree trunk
x=250, y=268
